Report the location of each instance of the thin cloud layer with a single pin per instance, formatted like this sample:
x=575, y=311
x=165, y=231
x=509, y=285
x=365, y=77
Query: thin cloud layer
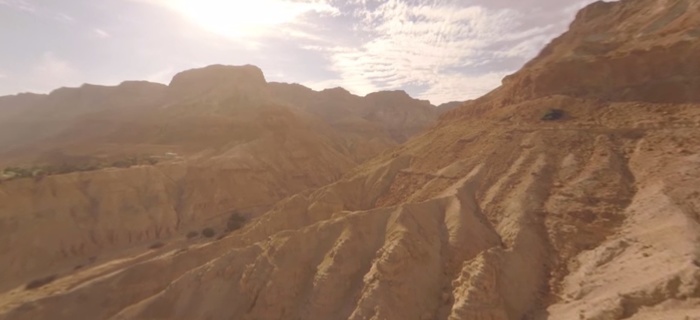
x=445, y=50
x=50, y=69
x=22, y=5
x=440, y=50
x=101, y=33
x=243, y=19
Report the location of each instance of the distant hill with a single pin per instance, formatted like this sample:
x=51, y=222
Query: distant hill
x=570, y=192
x=129, y=164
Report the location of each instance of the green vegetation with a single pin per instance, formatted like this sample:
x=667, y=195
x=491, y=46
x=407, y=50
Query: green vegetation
x=39, y=172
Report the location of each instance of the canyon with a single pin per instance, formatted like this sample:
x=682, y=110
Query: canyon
x=570, y=192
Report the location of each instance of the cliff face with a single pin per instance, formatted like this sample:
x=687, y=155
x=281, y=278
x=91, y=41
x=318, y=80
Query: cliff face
x=492, y=214
x=224, y=140
x=61, y=220
x=392, y=116
x=627, y=51
x=26, y=120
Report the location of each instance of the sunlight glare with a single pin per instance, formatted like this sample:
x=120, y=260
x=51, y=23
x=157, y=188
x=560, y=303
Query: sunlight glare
x=244, y=19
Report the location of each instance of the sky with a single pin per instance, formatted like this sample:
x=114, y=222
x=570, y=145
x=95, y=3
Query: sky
x=437, y=50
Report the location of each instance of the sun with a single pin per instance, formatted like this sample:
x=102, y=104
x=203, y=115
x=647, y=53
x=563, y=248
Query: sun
x=243, y=19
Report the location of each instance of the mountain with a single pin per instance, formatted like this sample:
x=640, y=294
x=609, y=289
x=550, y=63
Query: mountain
x=200, y=110
x=450, y=106
x=96, y=169
x=570, y=192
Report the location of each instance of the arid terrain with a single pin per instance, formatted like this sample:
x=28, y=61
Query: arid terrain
x=111, y=168
x=570, y=192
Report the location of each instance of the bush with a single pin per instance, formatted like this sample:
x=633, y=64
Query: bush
x=88, y=167
x=208, y=232
x=192, y=234
x=235, y=222
x=39, y=175
x=553, y=114
x=17, y=172
x=38, y=283
x=74, y=165
x=156, y=245
x=152, y=161
x=123, y=164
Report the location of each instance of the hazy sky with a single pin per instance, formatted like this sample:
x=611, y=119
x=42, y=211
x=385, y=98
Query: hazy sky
x=440, y=50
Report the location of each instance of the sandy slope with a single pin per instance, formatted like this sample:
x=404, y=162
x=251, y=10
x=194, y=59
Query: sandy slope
x=494, y=214
x=604, y=227
x=241, y=146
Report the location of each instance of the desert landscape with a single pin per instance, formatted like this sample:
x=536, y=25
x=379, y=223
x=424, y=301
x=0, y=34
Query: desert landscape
x=572, y=191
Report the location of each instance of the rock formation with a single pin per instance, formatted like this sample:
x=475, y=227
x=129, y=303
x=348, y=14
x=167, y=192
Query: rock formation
x=494, y=213
x=224, y=139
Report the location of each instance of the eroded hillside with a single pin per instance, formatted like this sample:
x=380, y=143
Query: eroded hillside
x=218, y=140
x=493, y=214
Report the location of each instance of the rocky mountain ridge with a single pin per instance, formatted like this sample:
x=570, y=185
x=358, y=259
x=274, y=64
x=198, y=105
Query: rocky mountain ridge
x=218, y=140
x=497, y=212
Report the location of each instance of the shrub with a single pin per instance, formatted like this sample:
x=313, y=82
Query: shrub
x=122, y=164
x=152, y=161
x=553, y=114
x=38, y=283
x=156, y=245
x=208, y=232
x=88, y=167
x=235, y=222
x=71, y=165
x=39, y=175
x=192, y=234
x=17, y=172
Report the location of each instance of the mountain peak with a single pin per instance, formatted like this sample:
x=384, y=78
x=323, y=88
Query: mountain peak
x=219, y=75
x=337, y=91
x=389, y=94
x=621, y=51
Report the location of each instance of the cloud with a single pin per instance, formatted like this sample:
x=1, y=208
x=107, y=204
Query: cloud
x=444, y=50
x=2, y=75
x=460, y=87
x=422, y=46
x=37, y=10
x=21, y=5
x=244, y=19
x=440, y=50
x=162, y=76
x=50, y=65
x=50, y=72
x=576, y=6
x=101, y=33
x=62, y=17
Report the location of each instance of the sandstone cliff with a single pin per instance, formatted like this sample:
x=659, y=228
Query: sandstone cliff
x=492, y=214
x=225, y=140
